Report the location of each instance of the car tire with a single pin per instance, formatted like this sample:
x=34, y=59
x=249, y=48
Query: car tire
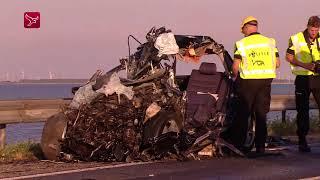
x=52, y=134
x=162, y=123
x=248, y=145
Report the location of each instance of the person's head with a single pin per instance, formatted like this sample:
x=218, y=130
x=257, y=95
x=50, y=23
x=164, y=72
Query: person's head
x=313, y=26
x=249, y=25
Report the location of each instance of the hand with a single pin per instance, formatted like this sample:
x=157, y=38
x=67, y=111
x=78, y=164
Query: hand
x=317, y=66
x=310, y=66
x=234, y=78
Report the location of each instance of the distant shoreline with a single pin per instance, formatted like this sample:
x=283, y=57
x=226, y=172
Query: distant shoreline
x=46, y=81
x=83, y=81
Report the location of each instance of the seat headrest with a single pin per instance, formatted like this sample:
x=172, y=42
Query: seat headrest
x=208, y=68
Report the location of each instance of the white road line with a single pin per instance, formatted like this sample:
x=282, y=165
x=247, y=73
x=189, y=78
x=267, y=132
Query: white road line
x=311, y=178
x=77, y=170
x=117, y=166
x=277, y=149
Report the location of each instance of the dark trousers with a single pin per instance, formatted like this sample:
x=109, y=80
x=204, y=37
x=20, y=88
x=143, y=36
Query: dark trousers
x=254, y=96
x=302, y=92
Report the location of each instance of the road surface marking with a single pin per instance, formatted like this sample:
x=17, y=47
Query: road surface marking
x=77, y=170
x=311, y=178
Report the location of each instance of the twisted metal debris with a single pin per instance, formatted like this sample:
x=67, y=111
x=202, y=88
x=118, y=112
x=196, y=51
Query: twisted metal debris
x=119, y=119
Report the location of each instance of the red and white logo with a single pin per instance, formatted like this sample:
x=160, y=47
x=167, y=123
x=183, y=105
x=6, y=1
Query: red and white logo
x=32, y=19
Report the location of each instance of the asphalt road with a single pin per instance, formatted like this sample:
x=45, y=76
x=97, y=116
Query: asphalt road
x=290, y=165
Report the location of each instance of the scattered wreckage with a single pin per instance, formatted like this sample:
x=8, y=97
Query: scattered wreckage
x=150, y=113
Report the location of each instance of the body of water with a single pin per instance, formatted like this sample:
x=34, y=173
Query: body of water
x=10, y=91
x=33, y=131
x=35, y=91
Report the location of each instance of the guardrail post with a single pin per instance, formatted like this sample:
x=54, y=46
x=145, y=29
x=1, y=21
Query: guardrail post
x=283, y=116
x=2, y=136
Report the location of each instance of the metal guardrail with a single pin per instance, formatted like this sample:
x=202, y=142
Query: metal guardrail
x=287, y=102
x=29, y=111
x=38, y=110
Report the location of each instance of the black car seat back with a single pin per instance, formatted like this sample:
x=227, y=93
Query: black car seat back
x=207, y=93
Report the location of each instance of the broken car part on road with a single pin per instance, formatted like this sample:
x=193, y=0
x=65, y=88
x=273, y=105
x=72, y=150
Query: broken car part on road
x=149, y=113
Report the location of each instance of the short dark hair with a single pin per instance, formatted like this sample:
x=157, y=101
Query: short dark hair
x=314, y=21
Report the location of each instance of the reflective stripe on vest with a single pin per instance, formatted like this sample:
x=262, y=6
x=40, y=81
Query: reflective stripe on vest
x=303, y=54
x=257, y=45
x=242, y=51
x=259, y=72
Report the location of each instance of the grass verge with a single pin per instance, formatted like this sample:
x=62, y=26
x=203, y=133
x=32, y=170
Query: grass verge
x=277, y=128
x=24, y=151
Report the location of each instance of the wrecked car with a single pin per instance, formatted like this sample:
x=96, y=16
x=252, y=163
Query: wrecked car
x=142, y=110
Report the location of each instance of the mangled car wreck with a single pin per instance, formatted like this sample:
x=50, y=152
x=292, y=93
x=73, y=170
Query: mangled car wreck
x=141, y=110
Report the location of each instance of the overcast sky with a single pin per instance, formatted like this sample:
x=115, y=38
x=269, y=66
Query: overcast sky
x=79, y=36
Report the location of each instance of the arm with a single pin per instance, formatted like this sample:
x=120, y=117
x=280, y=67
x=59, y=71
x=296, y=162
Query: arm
x=235, y=67
x=292, y=60
x=277, y=62
x=277, y=54
x=236, y=62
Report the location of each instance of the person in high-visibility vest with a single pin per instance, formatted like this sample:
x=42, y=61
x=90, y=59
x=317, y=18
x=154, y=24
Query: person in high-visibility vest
x=302, y=53
x=254, y=67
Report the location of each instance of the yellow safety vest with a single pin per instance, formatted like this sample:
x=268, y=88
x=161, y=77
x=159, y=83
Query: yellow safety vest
x=302, y=53
x=258, y=57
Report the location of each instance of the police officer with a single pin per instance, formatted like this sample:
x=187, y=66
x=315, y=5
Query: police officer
x=302, y=53
x=255, y=59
